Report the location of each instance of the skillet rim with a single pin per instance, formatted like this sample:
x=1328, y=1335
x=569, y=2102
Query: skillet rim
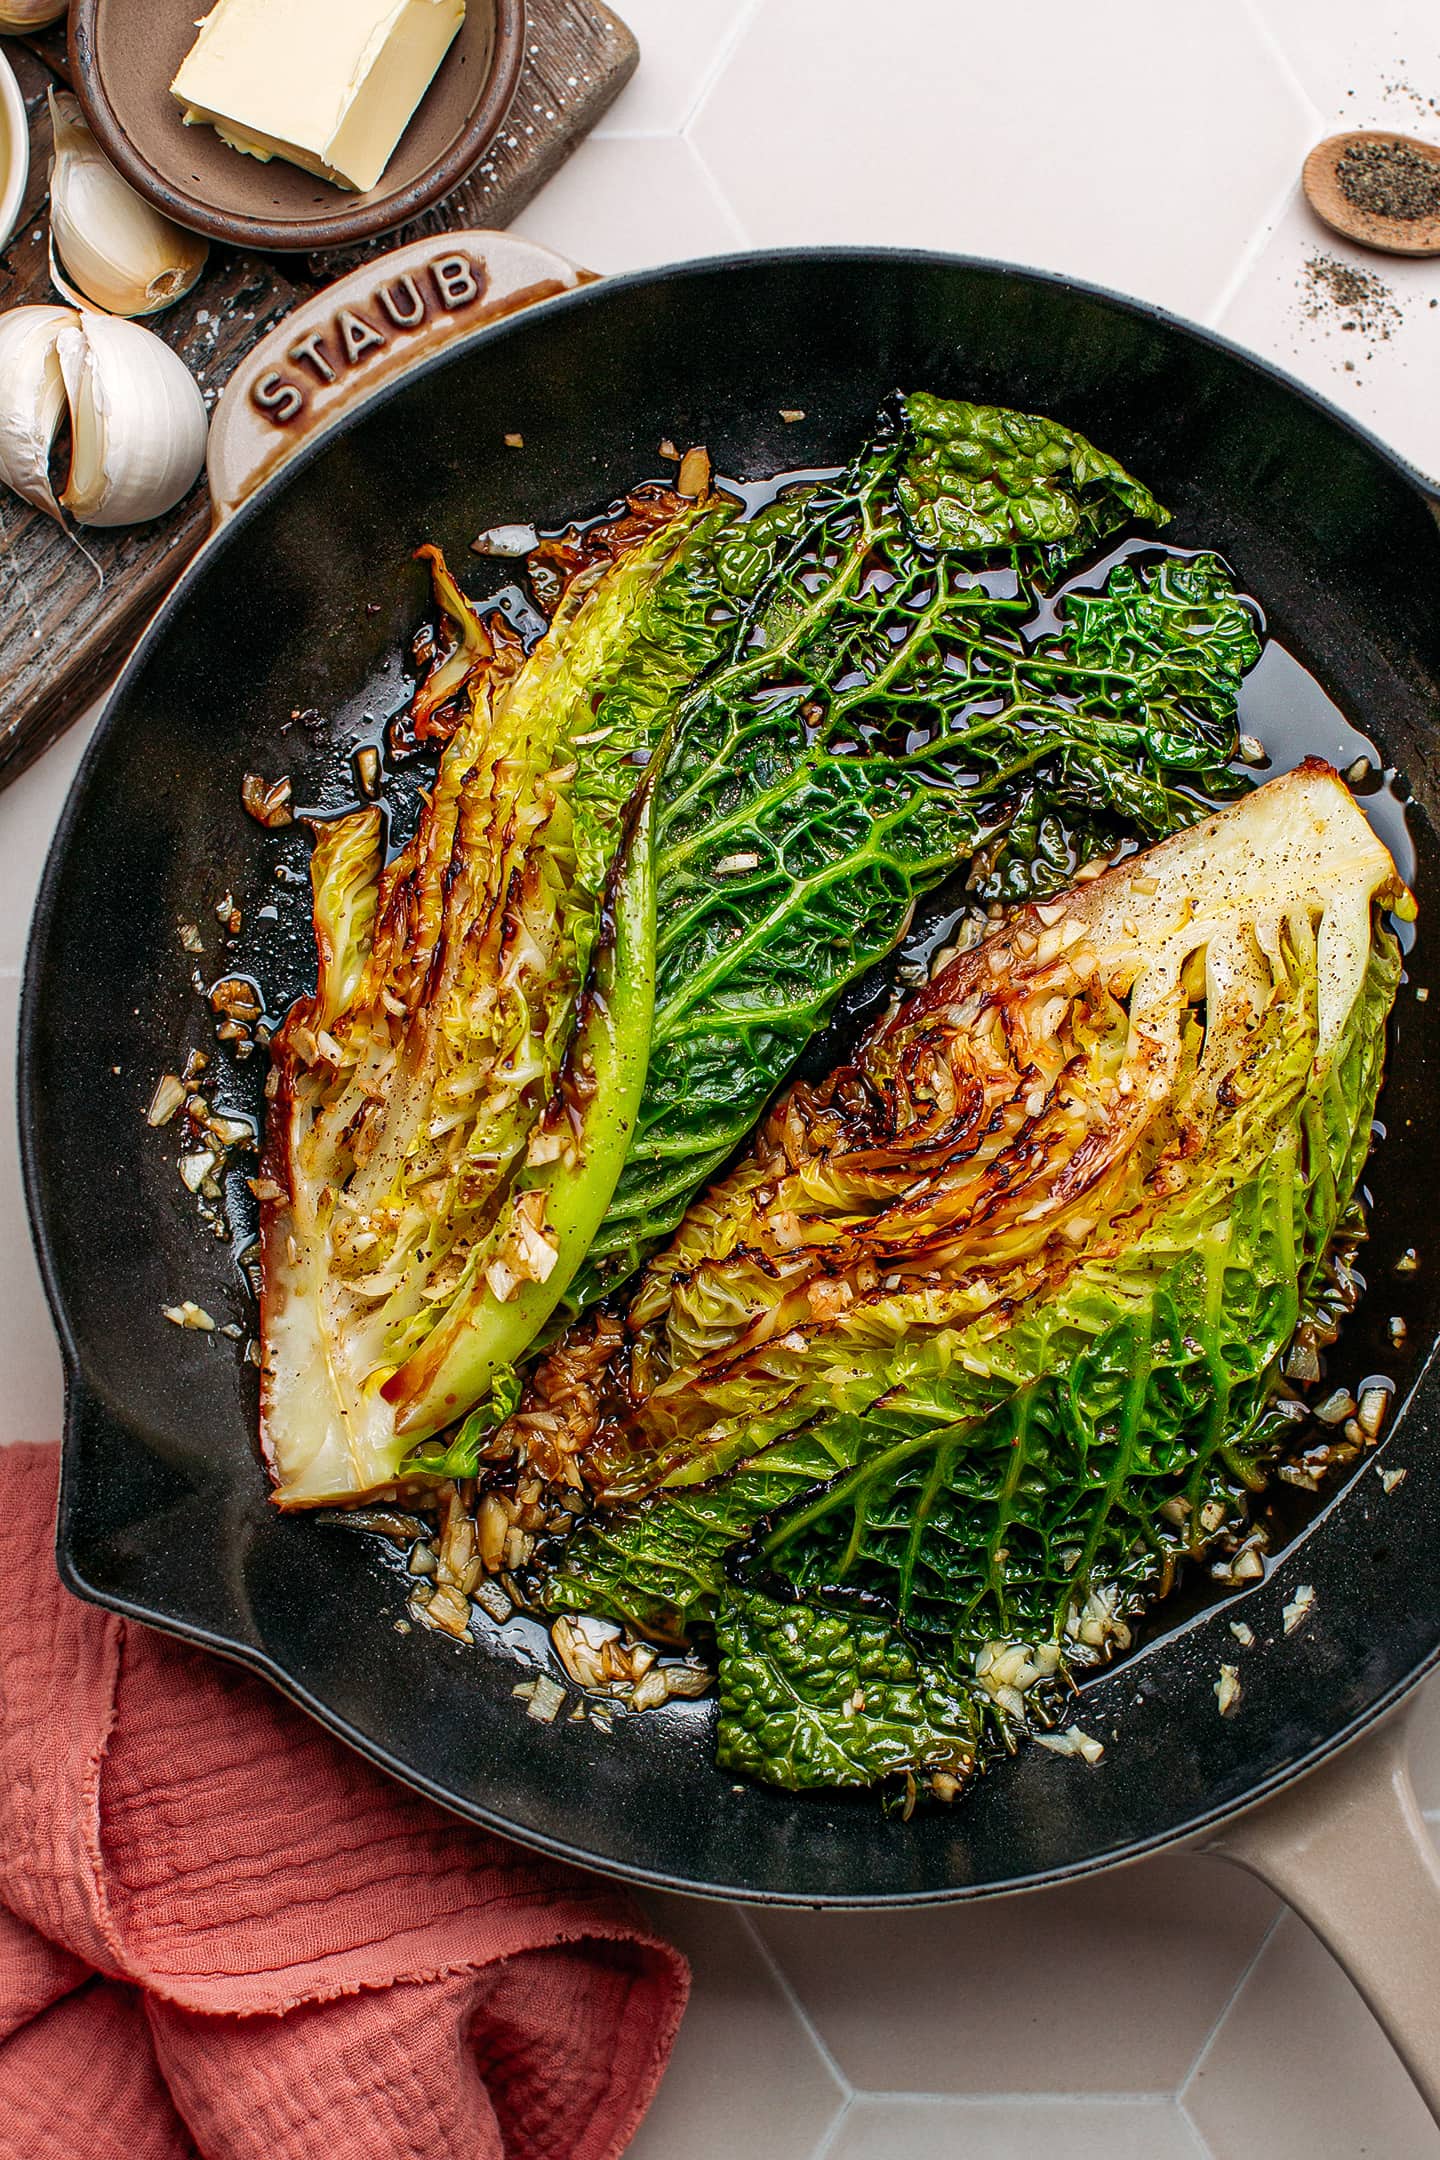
x=261, y=1662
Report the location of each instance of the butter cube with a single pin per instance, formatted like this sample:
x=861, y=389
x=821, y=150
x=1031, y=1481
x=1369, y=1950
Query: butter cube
x=328, y=84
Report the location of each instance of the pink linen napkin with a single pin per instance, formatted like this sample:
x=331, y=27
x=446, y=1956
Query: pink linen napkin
x=223, y=1935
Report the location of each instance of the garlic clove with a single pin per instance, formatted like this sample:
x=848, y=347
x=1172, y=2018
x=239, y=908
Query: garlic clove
x=124, y=257
x=19, y=16
x=32, y=398
x=137, y=421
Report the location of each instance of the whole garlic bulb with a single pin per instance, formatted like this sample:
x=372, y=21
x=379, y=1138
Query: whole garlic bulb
x=123, y=256
x=137, y=420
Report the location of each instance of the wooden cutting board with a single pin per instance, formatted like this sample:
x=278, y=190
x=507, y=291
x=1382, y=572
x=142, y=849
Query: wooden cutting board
x=67, y=614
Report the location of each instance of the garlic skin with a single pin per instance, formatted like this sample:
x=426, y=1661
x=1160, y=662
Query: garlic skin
x=138, y=422
x=32, y=398
x=122, y=255
x=16, y=17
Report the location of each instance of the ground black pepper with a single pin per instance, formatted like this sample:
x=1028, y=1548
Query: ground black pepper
x=1401, y=89
x=1389, y=179
x=1332, y=290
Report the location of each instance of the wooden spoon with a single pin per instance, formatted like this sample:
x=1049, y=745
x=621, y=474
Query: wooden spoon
x=1394, y=236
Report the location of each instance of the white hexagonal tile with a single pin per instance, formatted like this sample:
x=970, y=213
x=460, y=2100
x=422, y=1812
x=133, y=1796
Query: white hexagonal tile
x=1363, y=67
x=31, y=1400
x=1383, y=369
x=1083, y=1990
x=1425, y=1744
x=625, y=202
x=682, y=43
x=746, y=2077
x=29, y=811
x=1137, y=145
x=895, y=2129
x=1299, y=2069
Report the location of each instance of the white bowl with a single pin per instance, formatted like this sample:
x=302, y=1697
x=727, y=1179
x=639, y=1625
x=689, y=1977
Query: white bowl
x=14, y=150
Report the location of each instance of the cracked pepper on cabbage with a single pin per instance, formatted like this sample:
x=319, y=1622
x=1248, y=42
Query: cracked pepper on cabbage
x=659, y=848
x=984, y=1333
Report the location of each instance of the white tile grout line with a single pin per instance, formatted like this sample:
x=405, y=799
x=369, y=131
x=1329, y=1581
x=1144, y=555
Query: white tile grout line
x=832, y=2130
x=1226, y=2007
x=1250, y=255
x=717, y=193
x=783, y=1981
x=1259, y=239
x=1261, y=22
x=739, y=237
x=1202, y=2150
x=719, y=61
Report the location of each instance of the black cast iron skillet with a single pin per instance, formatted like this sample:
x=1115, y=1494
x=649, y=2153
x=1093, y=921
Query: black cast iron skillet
x=296, y=605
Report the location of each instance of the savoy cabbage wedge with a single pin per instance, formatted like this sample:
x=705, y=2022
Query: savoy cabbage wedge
x=452, y=1104
x=984, y=1335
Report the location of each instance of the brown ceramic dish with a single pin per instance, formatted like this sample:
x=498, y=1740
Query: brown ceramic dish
x=124, y=55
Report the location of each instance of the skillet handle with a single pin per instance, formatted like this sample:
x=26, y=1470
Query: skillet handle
x=351, y=337
x=1349, y=1850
